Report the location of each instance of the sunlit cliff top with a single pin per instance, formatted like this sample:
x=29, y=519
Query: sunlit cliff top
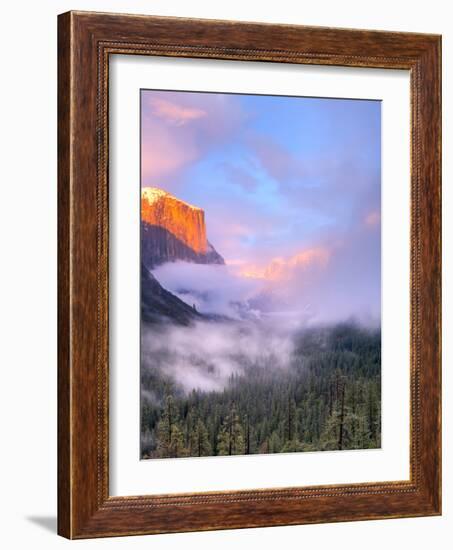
x=153, y=194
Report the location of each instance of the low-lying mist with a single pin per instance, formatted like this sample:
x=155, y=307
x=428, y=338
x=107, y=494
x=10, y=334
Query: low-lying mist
x=213, y=289
x=205, y=355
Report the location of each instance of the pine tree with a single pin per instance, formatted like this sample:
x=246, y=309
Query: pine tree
x=176, y=447
x=291, y=420
x=230, y=440
x=341, y=419
x=170, y=439
x=329, y=436
x=199, y=444
x=248, y=436
x=292, y=446
x=275, y=443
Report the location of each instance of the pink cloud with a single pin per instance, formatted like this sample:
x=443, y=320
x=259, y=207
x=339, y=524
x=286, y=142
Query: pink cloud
x=175, y=114
x=162, y=153
x=372, y=218
x=179, y=128
x=284, y=268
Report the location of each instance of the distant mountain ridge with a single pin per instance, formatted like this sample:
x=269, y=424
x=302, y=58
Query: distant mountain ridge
x=172, y=230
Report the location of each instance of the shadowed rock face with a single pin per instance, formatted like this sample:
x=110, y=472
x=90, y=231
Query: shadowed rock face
x=159, y=305
x=160, y=246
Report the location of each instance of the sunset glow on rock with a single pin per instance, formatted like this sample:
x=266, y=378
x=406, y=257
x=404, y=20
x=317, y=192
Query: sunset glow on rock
x=182, y=220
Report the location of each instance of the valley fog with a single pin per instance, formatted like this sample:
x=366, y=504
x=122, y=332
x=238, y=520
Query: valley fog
x=205, y=355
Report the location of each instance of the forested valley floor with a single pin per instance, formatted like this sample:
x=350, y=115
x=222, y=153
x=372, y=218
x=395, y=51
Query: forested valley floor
x=328, y=398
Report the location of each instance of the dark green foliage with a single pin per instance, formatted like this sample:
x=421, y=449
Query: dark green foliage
x=327, y=399
x=199, y=444
x=230, y=440
x=169, y=436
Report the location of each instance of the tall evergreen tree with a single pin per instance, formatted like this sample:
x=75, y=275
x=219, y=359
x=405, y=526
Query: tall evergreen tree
x=231, y=436
x=291, y=420
x=199, y=444
x=170, y=439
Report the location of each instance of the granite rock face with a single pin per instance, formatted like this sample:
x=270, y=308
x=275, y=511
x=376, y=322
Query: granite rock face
x=172, y=230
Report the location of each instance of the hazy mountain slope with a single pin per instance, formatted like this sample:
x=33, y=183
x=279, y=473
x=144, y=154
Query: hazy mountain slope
x=158, y=304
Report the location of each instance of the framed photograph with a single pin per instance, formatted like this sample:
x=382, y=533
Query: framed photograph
x=249, y=275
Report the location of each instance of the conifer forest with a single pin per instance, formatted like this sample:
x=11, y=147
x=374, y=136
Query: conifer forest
x=326, y=398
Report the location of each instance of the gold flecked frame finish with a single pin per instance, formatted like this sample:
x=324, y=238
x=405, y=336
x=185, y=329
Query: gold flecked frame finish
x=85, y=42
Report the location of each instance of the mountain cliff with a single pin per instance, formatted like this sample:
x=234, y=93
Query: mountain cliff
x=159, y=305
x=173, y=230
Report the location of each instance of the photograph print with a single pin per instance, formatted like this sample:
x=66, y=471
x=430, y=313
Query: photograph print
x=260, y=274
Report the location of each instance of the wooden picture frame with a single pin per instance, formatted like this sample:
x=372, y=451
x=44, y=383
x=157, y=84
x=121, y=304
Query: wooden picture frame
x=85, y=42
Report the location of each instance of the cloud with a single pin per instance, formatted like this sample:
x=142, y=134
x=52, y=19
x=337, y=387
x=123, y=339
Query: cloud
x=205, y=355
x=280, y=269
x=336, y=279
x=180, y=128
x=345, y=284
x=240, y=176
x=162, y=154
x=174, y=113
x=277, y=160
x=213, y=289
x=335, y=182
